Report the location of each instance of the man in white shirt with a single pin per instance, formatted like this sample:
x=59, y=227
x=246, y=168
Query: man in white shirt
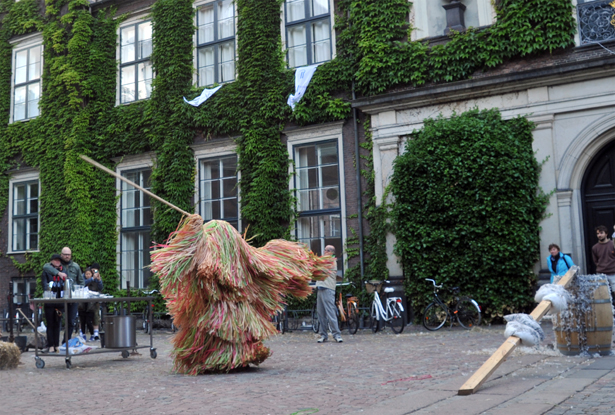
x=325, y=304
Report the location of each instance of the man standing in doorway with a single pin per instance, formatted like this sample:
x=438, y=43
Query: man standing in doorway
x=73, y=273
x=603, y=254
x=325, y=304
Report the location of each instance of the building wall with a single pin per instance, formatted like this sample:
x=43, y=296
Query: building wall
x=574, y=120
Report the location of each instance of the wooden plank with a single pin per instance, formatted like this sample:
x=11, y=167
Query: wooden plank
x=487, y=369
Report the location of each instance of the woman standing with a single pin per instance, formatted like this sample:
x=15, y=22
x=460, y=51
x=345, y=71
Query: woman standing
x=557, y=262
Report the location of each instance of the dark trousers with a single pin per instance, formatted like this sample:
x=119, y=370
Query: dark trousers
x=53, y=324
x=86, y=318
x=72, y=319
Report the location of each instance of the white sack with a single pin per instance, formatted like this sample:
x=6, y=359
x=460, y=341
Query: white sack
x=524, y=327
x=557, y=294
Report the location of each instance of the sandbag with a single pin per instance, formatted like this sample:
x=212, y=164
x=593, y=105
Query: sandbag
x=524, y=327
x=557, y=294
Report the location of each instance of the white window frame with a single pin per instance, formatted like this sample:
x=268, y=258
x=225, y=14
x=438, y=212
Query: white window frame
x=27, y=175
x=314, y=135
x=142, y=161
x=19, y=44
x=140, y=16
x=195, y=40
x=284, y=26
x=212, y=151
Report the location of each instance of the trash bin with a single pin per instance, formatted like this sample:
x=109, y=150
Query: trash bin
x=120, y=332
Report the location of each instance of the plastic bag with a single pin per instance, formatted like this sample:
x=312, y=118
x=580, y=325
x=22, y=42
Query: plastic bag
x=42, y=329
x=524, y=327
x=75, y=346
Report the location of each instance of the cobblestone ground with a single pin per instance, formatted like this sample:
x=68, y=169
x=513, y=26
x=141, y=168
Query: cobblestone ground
x=381, y=374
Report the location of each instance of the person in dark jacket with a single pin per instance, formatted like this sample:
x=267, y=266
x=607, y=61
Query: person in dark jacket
x=53, y=312
x=94, y=283
x=86, y=312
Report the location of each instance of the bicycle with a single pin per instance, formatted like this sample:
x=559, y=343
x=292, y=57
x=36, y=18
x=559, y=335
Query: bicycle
x=394, y=313
x=280, y=320
x=464, y=309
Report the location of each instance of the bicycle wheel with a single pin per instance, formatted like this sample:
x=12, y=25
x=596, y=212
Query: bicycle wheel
x=397, y=322
x=315, y=322
x=353, y=319
x=434, y=316
x=375, y=322
x=468, y=313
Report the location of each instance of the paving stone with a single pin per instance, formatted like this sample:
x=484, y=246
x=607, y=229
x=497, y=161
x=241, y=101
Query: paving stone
x=381, y=374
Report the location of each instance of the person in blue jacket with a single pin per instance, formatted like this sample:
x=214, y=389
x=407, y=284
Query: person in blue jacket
x=557, y=262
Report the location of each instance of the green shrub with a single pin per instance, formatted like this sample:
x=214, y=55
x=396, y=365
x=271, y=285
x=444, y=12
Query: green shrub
x=468, y=208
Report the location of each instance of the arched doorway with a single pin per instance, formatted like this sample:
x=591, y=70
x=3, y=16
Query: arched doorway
x=598, y=198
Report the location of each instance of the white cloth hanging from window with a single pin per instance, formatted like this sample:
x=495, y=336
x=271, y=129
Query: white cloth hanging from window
x=303, y=76
x=205, y=95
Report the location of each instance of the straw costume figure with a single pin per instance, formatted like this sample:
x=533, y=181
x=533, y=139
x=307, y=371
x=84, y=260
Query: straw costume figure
x=222, y=292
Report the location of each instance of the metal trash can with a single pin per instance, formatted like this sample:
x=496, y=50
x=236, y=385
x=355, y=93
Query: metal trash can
x=120, y=332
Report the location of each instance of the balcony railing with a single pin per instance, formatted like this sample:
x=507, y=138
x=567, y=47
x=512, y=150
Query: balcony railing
x=596, y=21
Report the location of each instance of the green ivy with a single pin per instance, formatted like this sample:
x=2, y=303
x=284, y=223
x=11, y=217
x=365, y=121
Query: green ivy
x=468, y=208
x=79, y=115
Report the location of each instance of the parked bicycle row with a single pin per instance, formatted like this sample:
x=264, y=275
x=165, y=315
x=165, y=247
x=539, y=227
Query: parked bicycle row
x=386, y=309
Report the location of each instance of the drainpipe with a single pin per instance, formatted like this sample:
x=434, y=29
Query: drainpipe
x=359, y=191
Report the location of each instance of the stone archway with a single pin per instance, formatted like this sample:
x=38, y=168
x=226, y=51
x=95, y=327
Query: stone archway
x=580, y=156
x=598, y=198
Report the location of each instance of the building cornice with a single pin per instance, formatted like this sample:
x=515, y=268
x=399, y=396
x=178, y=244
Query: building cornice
x=488, y=86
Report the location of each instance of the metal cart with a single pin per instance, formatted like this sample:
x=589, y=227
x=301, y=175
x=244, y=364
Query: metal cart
x=38, y=354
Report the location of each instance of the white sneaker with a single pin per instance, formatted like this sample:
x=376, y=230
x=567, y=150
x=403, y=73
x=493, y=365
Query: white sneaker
x=339, y=340
x=322, y=339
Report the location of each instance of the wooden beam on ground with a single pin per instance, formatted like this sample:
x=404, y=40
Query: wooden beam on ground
x=500, y=355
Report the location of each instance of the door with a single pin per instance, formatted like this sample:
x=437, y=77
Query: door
x=598, y=198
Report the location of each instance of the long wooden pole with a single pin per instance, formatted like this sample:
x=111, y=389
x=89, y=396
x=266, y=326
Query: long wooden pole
x=500, y=355
x=112, y=173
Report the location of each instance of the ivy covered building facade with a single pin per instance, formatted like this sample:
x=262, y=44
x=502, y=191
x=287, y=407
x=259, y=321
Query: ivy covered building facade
x=107, y=79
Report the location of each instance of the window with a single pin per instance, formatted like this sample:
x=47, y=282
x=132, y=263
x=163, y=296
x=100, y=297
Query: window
x=317, y=186
x=308, y=32
x=136, y=71
x=24, y=216
x=27, y=83
x=216, y=43
x=136, y=221
x=218, y=189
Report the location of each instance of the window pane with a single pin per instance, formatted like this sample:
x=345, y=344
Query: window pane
x=145, y=80
x=19, y=110
x=205, y=20
x=33, y=97
x=230, y=208
x=21, y=63
x=145, y=40
x=297, y=51
x=33, y=225
x=206, y=66
x=210, y=169
x=229, y=166
x=328, y=153
x=295, y=10
x=320, y=41
x=19, y=234
x=34, y=67
x=320, y=7
x=227, y=61
x=229, y=187
x=127, y=45
x=330, y=197
x=128, y=83
x=330, y=176
x=226, y=23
